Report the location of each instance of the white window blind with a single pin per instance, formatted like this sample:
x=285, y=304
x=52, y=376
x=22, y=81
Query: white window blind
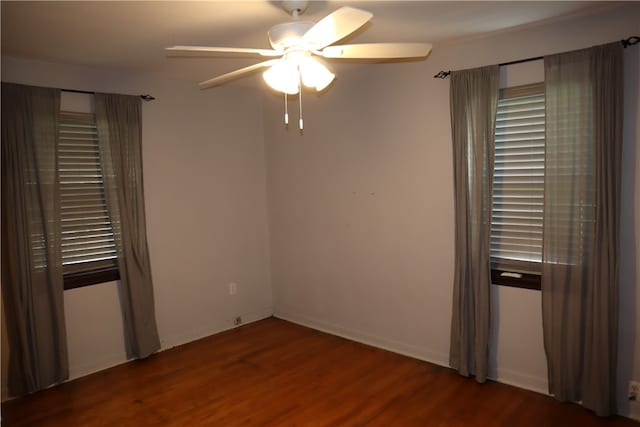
x=518, y=183
x=87, y=235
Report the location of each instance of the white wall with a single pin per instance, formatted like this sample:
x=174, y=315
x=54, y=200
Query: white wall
x=204, y=172
x=361, y=205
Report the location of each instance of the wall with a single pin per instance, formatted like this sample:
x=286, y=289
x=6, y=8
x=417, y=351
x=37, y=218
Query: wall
x=205, y=196
x=361, y=204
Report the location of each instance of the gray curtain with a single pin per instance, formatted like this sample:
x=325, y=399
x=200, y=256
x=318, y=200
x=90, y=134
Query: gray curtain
x=118, y=119
x=32, y=282
x=583, y=91
x=474, y=100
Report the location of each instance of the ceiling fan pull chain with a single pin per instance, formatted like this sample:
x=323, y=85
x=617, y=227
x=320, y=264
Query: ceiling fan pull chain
x=300, y=100
x=286, y=110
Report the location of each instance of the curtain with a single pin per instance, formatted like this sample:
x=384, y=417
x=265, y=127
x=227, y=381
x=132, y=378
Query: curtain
x=32, y=282
x=118, y=118
x=583, y=91
x=474, y=100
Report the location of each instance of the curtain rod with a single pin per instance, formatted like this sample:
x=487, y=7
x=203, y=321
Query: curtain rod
x=625, y=43
x=143, y=97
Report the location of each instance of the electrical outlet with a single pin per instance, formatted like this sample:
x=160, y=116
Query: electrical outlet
x=233, y=288
x=237, y=321
x=634, y=391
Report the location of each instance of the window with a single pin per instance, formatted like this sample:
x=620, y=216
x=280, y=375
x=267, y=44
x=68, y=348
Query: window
x=88, y=249
x=518, y=187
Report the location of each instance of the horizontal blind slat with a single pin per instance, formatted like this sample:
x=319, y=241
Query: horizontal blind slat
x=518, y=184
x=87, y=234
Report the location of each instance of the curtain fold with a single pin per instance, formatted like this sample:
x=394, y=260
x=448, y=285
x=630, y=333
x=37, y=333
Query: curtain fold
x=118, y=119
x=32, y=280
x=474, y=99
x=583, y=91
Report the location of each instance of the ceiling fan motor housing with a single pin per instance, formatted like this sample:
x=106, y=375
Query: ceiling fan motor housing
x=289, y=34
x=295, y=7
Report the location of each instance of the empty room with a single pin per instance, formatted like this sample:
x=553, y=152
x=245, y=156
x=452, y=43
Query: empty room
x=320, y=213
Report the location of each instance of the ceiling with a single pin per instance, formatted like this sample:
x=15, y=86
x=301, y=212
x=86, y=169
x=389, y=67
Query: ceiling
x=130, y=36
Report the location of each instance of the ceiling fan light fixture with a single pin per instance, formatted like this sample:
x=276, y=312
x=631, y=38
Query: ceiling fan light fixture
x=296, y=44
x=283, y=76
x=315, y=74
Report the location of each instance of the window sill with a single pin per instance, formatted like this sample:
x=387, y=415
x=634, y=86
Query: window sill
x=79, y=280
x=527, y=281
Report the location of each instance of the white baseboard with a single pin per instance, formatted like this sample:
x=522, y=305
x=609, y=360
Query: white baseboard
x=634, y=411
x=220, y=326
x=78, y=371
x=109, y=361
x=165, y=344
x=517, y=379
x=503, y=375
x=410, y=350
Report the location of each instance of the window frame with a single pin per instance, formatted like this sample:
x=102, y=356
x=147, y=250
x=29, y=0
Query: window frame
x=521, y=277
x=92, y=277
x=92, y=272
x=525, y=281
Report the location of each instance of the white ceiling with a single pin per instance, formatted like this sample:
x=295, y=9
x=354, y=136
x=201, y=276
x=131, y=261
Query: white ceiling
x=131, y=36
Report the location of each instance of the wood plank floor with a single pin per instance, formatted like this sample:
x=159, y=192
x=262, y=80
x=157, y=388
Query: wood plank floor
x=275, y=373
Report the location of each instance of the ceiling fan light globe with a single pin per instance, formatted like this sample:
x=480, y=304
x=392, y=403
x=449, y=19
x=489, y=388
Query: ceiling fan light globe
x=314, y=74
x=283, y=77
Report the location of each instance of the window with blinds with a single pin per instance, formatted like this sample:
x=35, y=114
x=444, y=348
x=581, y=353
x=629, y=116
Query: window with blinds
x=518, y=183
x=88, y=248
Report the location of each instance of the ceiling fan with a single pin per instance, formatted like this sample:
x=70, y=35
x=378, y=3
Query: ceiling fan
x=297, y=45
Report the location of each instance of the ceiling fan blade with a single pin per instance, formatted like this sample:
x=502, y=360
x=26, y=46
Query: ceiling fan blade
x=336, y=26
x=377, y=51
x=235, y=74
x=187, y=50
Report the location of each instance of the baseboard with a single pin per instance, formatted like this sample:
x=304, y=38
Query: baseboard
x=165, y=344
x=404, y=349
x=172, y=341
x=634, y=411
x=79, y=371
x=112, y=360
x=517, y=379
x=505, y=376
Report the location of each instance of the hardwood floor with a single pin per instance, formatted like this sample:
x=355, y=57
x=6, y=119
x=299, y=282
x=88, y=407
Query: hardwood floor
x=275, y=373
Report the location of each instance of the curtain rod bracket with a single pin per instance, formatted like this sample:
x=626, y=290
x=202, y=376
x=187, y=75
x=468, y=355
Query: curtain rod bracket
x=630, y=41
x=442, y=75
